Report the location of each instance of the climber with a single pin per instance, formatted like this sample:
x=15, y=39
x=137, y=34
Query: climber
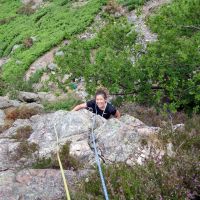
x=99, y=105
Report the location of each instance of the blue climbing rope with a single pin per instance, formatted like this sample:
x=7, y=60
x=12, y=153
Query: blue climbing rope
x=98, y=161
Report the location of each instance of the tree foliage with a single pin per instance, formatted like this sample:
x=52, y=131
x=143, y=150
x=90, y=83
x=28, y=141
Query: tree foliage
x=104, y=60
x=167, y=75
x=172, y=63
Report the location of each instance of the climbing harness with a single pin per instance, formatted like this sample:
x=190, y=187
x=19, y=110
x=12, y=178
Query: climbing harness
x=97, y=156
x=61, y=167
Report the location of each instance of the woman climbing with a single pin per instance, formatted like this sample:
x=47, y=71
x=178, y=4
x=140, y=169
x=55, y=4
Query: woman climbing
x=99, y=105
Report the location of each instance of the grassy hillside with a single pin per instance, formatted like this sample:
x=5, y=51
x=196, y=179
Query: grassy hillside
x=132, y=4
x=51, y=24
x=166, y=75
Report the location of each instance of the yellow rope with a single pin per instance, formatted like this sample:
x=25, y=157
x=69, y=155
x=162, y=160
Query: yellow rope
x=61, y=168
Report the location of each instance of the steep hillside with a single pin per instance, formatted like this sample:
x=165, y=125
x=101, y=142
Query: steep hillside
x=27, y=33
x=146, y=52
x=118, y=55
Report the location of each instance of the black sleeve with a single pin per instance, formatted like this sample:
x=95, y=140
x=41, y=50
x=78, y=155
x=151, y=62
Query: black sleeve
x=112, y=110
x=90, y=104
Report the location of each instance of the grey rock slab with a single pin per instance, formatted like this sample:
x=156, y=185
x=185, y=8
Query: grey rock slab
x=116, y=141
x=6, y=147
x=19, y=123
x=2, y=117
x=70, y=126
x=28, y=97
x=5, y=102
x=32, y=184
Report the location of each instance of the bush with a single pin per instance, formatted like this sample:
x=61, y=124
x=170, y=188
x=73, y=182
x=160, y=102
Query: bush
x=175, y=177
x=132, y=4
x=23, y=133
x=113, y=7
x=6, y=20
x=68, y=162
x=22, y=112
x=66, y=104
x=28, y=42
x=171, y=66
x=7, y=124
x=110, y=65
x=25, y=150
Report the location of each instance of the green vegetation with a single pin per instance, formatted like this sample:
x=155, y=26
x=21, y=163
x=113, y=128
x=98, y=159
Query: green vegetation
x=69, y=162
x=66, y=104
x=167, y=76
x=103, y=60
x=25, y=150
x=171, y=65
x=23, y=133
x=175, y=177
x=50, y=25
x=132, y=4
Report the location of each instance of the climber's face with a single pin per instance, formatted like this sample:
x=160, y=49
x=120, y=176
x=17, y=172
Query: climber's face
x=100, y=101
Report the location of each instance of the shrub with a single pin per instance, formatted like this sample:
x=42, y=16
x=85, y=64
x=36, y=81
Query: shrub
x=7, y=124
x=175, y=177
x=28, y=42
x=152, y=117
x=22, y=112
x=6, y=20
x=113, y=7
x=132, y=4
x=25, y=150
x=69, y=162
x=23, y=133
x=66, y=104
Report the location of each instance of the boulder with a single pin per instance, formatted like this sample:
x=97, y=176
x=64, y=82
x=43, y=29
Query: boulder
x=47, y=97
x=28, y=97
x=71, y=127
x=32, y=184
x=126, y=140
x=2, y=117
x=59, y=53
x=6, y=103
x=52, y=66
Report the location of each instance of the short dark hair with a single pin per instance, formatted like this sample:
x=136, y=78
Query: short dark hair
x=102, y=92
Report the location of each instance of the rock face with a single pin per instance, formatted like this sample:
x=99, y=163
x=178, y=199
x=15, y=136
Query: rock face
x=33, y=139
x=71, y=126
x=28, y=97
x=35, y=3
x=145, y=35
x=6, y=103
x=31, y=184
x=2, y=117
x=38, y=97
